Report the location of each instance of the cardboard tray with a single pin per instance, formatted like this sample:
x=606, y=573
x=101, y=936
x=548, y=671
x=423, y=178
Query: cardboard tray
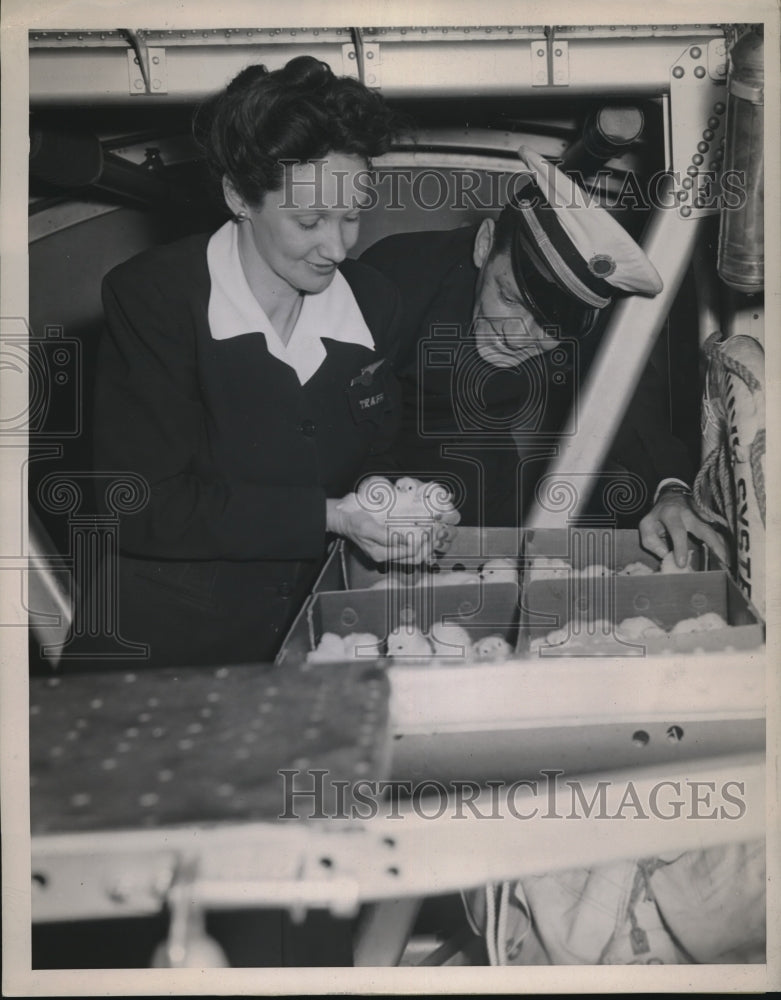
x=481, y=609
x=665, y=598
x=470, y=549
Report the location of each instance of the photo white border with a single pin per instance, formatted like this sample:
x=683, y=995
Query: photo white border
x=21, y=16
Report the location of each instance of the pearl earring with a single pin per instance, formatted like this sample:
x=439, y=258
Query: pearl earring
x=241, y=217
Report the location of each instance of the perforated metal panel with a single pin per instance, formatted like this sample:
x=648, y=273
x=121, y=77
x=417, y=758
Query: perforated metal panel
x=159, y=748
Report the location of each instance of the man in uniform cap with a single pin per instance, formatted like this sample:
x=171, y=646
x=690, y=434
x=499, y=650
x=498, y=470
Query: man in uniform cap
x=500, y=324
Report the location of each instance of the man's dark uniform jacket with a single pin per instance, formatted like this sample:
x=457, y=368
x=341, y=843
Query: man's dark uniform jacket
x=493, y=431
x=238, y=455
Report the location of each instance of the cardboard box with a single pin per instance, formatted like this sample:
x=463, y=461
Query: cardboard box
x=481, y=609
x=331, y=576
x=664, y=598
x=470, y=549
x=581, y=546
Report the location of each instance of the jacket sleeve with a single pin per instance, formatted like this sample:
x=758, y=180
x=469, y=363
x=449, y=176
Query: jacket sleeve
x=150, y=420
x=645, y=443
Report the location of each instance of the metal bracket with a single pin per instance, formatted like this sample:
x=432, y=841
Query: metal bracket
x=717, y=59
x=363, y=62
x=559, y=59
x=550, y=61
x=698, y=104
x=539, y=63
x=147, y=70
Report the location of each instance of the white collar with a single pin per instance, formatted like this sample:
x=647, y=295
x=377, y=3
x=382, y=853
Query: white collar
x=234, y=311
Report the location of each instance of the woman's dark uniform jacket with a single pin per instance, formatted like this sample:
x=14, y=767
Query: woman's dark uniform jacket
x=457, y=409
x=239, y=457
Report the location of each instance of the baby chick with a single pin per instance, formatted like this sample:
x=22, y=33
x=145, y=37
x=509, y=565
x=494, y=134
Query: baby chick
x=408, y=645
x=330, y=649
x=635, y=569
x=361, y=645
x=549, y=568
x=492, y=649
x=639, y=627
x=450, y=641
x=669, y=565
x=499, y=571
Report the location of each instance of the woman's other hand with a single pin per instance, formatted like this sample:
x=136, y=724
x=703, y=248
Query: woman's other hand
x=670, y=522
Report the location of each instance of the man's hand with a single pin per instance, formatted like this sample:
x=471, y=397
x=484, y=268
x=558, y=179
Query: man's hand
x=669, y=523
x=381, y=542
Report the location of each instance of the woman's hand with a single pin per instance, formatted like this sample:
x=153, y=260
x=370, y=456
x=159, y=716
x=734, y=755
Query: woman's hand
x=378, y=538
x=671, y=520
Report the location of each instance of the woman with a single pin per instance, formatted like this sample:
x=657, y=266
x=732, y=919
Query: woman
x=245, y=375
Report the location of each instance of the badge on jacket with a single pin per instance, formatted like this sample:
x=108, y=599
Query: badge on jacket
x=366, y=392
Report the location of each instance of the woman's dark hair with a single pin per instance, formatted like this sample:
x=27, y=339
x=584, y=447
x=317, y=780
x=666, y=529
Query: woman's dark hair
x=299, y=112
